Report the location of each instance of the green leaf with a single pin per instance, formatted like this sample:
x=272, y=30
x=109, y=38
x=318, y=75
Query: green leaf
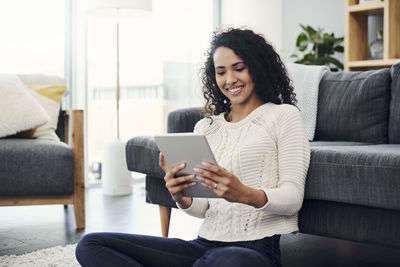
x=303, y=27
x=335, y=62
x=311, y=30
x=302, y=42
x=308, y=30
x=339, y=48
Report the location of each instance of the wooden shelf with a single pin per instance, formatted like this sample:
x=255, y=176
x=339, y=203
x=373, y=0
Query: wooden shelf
x=374, y=8
x=356, y=34
x=373, y=63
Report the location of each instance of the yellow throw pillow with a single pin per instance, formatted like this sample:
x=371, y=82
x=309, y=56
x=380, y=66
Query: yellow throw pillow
x=49, y=97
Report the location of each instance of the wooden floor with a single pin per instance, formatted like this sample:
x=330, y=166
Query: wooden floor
x=25, y=229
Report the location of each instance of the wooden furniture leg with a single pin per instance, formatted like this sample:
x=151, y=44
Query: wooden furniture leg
x=79, y=172
x=165, y=216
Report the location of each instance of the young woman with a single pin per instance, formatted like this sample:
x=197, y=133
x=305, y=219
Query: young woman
x=258, y=139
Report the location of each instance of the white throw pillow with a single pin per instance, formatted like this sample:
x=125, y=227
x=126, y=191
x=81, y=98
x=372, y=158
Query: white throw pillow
x=49, y=97
x=19, y=111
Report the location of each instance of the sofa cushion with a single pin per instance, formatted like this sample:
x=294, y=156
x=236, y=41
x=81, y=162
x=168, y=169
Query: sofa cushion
x=394, y=115
x=362, y=175
x=354, y=106
x=35, y=167
x=142, y=155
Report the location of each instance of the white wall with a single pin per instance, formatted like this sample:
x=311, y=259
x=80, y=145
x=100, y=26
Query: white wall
x=262, y=16
x=327, y=14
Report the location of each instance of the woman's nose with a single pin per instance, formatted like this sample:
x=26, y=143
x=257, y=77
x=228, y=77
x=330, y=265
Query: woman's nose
x=231, y=78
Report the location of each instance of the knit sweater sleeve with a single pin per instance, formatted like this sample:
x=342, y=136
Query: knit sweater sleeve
x=199, y=205
x=293, y=161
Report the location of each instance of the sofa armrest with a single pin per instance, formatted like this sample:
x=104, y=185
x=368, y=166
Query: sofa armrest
x=183, y=120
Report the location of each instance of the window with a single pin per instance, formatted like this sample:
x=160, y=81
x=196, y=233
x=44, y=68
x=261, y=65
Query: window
x=32, y=38
x=160, y=60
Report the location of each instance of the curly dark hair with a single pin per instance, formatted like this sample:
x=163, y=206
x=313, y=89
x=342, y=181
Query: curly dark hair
x=271, y=82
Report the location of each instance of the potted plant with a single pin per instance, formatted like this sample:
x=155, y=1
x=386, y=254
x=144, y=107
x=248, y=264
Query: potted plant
x=315, y=47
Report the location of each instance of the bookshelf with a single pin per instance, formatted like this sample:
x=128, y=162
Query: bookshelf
x=356, y=34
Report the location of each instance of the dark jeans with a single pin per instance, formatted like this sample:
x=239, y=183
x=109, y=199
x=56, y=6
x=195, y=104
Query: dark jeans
x=117, y=249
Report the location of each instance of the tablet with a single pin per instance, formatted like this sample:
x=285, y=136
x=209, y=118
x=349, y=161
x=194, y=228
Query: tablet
x=191, y=149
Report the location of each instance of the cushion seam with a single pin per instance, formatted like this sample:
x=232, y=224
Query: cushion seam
x=364, y=166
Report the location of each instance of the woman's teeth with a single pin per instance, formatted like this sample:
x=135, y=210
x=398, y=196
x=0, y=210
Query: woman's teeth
x=235, y=90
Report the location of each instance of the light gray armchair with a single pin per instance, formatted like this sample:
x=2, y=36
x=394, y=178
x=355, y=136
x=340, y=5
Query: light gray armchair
x=43, y=172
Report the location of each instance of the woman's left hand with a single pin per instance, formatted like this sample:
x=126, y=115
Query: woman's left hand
x=222, y=182
x=226, y=185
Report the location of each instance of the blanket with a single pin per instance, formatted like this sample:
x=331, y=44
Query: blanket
x=306, y=80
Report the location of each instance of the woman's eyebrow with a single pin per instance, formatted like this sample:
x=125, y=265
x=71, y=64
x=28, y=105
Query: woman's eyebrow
x=237, y=63
x=233, y=65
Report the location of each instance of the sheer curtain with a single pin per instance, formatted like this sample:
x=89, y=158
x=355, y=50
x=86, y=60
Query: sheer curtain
x=160, y=60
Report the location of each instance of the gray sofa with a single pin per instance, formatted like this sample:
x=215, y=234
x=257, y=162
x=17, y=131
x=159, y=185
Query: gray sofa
x=353, y=183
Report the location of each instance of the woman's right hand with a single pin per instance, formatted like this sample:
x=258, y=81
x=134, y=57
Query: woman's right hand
x=176, y=185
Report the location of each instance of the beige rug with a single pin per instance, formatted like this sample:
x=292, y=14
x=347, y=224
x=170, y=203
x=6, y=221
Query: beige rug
x=49, y=257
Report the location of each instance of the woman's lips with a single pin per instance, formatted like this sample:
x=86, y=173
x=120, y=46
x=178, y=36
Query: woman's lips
x=235, y=90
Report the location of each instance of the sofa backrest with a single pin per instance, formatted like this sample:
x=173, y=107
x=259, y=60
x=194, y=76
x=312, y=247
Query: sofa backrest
x=60, y=130
x=394, y=113
x=354, y=106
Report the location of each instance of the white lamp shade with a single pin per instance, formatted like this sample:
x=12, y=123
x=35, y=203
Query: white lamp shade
x=118, y=8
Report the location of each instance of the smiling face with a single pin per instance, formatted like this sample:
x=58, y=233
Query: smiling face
x=233, y=78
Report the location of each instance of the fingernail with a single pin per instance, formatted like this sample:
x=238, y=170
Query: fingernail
x=182, y=165
x=191, y=176
x=196, y=169
x=205, y=164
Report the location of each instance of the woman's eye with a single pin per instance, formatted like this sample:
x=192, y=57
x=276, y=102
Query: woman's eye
x=240, y=69
x=221, y=73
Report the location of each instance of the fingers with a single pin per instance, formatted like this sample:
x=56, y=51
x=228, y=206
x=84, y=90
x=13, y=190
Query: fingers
x=215, y=169
x=178, y=184
x=179, y=180
x=208, y=174
x=170, y=173
x=217, y=188
x=162, y=163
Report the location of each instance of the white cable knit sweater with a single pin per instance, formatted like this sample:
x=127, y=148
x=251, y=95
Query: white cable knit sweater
x=267, y=150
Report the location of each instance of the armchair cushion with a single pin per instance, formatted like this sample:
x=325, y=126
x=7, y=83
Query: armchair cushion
x=30, y=167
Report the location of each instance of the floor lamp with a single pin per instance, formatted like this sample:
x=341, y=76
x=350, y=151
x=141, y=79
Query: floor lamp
x=116, y=179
